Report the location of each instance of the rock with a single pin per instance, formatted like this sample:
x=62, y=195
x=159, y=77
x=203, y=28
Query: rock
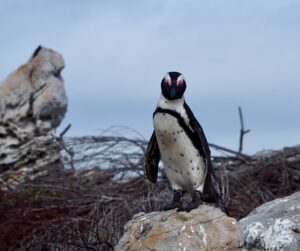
x=204, y=228
x=274, y=225
x=33, y=102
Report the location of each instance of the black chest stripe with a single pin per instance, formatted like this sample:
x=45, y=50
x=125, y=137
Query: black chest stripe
x=196, y=141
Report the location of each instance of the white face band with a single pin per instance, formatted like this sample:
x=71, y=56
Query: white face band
x=180, y=80
x=167, y=79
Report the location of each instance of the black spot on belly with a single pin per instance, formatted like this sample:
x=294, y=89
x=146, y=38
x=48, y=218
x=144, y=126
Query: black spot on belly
x=174, y=140
x=195, y=184
x=178, y=131
x=191, y=161
x=181, y=154
x=198, y=168
x=188, y=173
x=193, y=168
x=176, y=170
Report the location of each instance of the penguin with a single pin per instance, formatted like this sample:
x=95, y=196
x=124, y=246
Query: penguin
x=179, y=142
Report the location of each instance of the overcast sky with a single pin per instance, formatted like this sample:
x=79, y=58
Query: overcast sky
x=232, y=53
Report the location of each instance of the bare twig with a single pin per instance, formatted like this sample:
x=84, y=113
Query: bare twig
x=229, y=150
x=68, y=150
x=65, y=130
x=242, y=130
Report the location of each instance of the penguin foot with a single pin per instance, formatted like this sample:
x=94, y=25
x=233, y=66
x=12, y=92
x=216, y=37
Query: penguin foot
x=196, y=201
x=176, y=203
x=172, y=205
x=189, y=206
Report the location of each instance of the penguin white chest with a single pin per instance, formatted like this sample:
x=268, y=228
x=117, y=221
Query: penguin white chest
x=184, y=166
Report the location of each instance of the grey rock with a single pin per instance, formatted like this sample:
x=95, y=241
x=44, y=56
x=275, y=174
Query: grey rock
x=33, y=102
x=204, y=228
x=274, y=225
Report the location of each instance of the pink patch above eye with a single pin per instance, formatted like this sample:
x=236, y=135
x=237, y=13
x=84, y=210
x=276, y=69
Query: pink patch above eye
x=179, y=82
x=167, y=82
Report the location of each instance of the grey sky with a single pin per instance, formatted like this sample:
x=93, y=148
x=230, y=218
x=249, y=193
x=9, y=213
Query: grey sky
x=232, y=53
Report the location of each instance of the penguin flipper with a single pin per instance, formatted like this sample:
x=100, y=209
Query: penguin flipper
x=211, y=191
x=198, y=132
x=152, y=158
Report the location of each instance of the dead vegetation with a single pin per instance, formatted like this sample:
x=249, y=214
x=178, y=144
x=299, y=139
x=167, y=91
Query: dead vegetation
x=86, y=209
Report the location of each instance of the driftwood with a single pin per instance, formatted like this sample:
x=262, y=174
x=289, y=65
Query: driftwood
x=86, y=209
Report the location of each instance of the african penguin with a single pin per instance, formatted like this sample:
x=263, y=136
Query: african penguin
x=179, y=141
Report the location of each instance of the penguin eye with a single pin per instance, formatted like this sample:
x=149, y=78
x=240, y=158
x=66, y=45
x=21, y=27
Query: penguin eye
x=180, y=82
x=167, y=82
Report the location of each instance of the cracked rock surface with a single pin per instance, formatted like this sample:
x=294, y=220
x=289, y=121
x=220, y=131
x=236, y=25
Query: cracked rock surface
x=275, y=225
x=33, y=103
x=204, y=228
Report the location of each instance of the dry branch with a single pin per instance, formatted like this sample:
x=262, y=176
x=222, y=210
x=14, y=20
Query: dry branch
x=242, y=130
x=86, y=208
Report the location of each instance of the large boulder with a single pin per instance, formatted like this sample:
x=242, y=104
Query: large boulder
x=274, y=225
x=204, y=228
x=33, y=102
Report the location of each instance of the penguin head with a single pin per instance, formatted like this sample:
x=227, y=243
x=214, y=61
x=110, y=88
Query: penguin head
x=173, y=85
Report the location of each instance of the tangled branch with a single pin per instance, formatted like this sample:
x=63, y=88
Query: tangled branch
x=85, y=208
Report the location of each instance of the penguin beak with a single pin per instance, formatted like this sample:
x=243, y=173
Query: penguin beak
x=173, y=90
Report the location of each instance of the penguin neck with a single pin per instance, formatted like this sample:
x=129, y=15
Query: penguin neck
x=175, y=105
